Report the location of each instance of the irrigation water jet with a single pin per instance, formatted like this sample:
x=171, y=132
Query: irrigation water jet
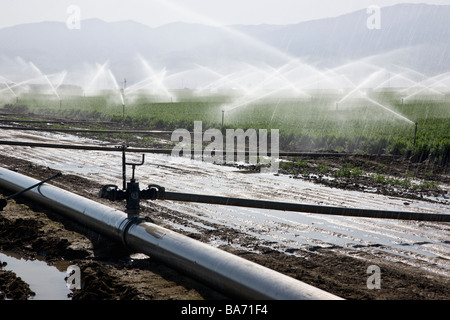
x=390, y=110
x=47, y=79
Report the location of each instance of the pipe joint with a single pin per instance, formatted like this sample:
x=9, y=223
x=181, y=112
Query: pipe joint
x=127, y=224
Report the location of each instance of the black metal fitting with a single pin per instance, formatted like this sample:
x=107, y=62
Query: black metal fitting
x=132, y=195
x=111, y=192
x=131, y=191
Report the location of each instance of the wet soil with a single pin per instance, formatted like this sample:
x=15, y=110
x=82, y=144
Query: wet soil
x=13, y=287
x=111, y=272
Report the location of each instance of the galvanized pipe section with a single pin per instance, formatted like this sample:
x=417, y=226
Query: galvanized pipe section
x=223, y=271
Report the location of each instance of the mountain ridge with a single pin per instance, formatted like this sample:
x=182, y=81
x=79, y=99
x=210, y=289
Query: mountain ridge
x=420, y=30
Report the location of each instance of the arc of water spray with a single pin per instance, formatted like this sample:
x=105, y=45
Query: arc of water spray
x=228, y=78
x=116, y=85
x=47, y=79
x=100, y=69
x=391, y=111
x=136, y=86
x=248, y=101
x=359, y=86
x=232, y=31
x=63, y=77
x=419, y=83
x=398, y=75
x=387, y=109
x=445, y=76
x=276, y=73
x=158, y=79
x=421, y=90
x=8, y=87
x=153, y=79
x=429, y=87
x=20, y=84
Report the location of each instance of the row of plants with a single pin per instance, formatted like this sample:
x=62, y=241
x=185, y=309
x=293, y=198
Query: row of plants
x=304, y=125
x=349, y=171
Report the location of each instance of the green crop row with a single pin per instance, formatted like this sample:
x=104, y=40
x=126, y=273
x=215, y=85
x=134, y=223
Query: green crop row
x=318, y=123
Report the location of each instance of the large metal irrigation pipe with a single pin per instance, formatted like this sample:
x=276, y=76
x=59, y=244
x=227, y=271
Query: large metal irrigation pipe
x=286, y=206
x=221, y=270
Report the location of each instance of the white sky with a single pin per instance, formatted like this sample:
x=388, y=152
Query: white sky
x=158, y=12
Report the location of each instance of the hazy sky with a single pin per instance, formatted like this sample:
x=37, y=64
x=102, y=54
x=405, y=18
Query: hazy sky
x=158, y=12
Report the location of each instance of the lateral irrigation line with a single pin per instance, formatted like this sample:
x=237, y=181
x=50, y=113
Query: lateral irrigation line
x=81, y=147
x=296, y=207
x=85, y=130
x=53, y=121
x=167, y=151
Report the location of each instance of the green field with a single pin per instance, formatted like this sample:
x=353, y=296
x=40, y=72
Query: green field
x=356, y=125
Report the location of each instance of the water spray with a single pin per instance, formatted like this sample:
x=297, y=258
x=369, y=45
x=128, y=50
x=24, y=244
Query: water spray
x=48, y=81
x=388, y=109
x=12, y=91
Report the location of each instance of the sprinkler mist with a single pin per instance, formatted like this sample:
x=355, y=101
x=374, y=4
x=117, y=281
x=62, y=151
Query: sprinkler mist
x=53, y=88
x=12, y=91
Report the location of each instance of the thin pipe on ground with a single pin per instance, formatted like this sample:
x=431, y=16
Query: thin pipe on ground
x=169, y=151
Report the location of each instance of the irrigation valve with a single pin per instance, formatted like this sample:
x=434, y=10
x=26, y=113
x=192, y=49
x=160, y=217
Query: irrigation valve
x=132, y=194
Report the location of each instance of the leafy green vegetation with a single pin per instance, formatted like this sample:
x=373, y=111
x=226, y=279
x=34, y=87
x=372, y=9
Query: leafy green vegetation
x=312, y=124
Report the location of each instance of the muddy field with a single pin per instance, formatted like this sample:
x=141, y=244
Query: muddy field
x=110, y=272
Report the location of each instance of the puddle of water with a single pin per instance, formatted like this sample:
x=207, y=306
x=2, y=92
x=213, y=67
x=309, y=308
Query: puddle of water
x=46, y=281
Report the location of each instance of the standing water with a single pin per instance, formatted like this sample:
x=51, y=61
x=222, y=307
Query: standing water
x=47, y=282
